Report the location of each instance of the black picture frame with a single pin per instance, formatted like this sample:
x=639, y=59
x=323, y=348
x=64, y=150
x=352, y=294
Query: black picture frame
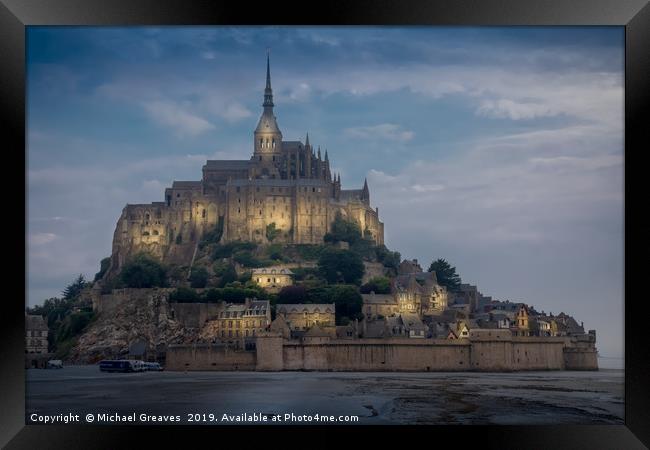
x=634, y=15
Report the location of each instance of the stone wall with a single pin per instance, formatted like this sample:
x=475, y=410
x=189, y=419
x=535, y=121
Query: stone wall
x=499, y=353
x=208, y=357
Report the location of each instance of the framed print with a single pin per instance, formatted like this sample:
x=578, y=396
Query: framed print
x=237, y=219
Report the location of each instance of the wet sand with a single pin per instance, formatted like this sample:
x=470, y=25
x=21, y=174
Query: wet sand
x=376, y=398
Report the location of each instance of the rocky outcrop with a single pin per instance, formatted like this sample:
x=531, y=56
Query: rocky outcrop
x=127, y=317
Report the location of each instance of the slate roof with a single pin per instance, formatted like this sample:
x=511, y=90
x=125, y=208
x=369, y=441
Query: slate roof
x=272, y=271
x=35, y=323
x=310, y=308
x=378, y=299
x=186, y=184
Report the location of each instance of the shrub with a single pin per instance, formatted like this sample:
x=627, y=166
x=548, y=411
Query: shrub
x=274, y=251
x=142, y=271
x=227, y=250
x=310, y=252
x=246, y=259
x=184, y=295
x=199, y=277
x=378, y=285
x=272, y=232
x=387, y=258
x=228, y=276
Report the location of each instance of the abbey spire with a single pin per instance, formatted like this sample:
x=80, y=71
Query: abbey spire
x=268, y=92
x=267, y=136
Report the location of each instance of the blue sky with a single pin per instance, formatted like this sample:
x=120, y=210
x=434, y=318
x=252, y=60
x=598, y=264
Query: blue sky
x=499, y=149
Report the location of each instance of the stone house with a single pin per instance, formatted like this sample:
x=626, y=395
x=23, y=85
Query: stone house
x=303, y=316
x=272, y=279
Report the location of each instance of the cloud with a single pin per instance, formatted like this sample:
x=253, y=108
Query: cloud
x=176, y=117
x=235, y=112
x=42, y=238
x=505, y=108
x=384, y=131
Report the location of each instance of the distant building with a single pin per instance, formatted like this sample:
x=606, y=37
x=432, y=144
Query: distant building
x=303, y=316
x=240, y=321
x=36, y=346
x=470, y=295
x=36, y=334
x=379, y=305
x=272, y=279
x=409, y=266
x=419, y=293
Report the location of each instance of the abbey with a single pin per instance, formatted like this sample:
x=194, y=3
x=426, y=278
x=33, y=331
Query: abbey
x=286, y=187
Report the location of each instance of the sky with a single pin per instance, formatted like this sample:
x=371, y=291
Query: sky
x=499, y=149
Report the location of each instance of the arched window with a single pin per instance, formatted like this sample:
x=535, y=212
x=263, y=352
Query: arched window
x=273, y=143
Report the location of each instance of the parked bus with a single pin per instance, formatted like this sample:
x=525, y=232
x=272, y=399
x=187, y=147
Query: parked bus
x=120, y=365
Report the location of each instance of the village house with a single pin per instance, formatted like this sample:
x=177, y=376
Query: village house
x=272, y=279
x=303, y=316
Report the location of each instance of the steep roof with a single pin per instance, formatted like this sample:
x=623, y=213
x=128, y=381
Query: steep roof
x=272, y=271
x=35, y=323
x=378, y=299
x=309, y=308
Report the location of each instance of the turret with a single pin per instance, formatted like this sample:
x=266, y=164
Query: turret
x=365, y=192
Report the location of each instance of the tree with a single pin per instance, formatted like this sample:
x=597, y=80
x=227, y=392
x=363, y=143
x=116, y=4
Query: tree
x=343, y=230
x=142, y=271
x=387, y=258
x=446, y=275
x=378, y=285
x=292, y=294
x=184, y=295
x=347, y=301
x=228, y=276
x=72, y=291
x=341, y=266
x=272, y=232
x=199, y=277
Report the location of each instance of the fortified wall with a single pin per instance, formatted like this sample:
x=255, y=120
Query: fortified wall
x=485, y=350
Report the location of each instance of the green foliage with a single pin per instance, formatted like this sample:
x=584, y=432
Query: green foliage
x=343, y=230
x=229, y=249
x=220, y=267
x=184, y=295
x=272, y=232
x=199, y=277
x=142, y=271
x=387, y=258
x=309, y=252
x=64, y=322
x=213, y=236
x=228, y=276
x=72, y=291
x=364, y=248
x=275, y=252
x=245, y=277
x=378, y=285
x=347, y=301
x=292, y=294
x=103, y=268
x=305, y=273
x=446, y=274
x=341, y=266
x=247, y=259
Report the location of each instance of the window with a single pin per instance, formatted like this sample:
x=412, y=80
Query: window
x=203, y=213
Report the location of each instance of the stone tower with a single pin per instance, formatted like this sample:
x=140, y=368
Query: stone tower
x=267, y=136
